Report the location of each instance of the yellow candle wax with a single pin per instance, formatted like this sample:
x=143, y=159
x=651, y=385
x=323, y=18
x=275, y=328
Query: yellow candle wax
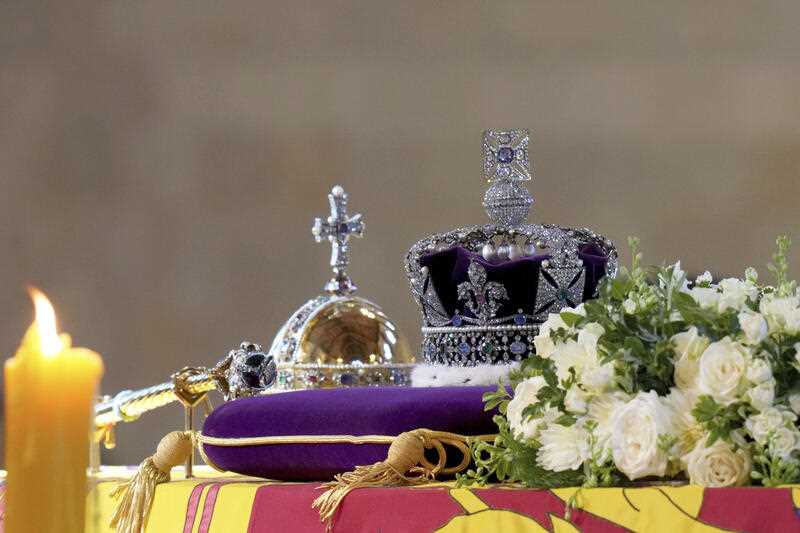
x=50, y=391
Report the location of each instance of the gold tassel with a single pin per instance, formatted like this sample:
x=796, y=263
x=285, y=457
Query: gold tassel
x=136, y=495
x=405, y=465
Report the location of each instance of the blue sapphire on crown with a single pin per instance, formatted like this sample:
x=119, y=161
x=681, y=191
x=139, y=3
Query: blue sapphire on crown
x=505, y=155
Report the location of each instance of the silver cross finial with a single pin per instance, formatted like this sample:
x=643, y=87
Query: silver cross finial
x=506, y=166
x=337, y=229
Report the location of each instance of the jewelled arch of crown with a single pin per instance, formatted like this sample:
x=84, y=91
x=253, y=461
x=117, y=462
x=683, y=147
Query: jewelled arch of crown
x=488, y=337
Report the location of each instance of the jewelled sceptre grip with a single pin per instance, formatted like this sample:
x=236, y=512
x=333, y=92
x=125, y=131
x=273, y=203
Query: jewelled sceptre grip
x=245, y=371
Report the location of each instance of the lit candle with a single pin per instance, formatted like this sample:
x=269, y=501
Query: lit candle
x=50, y=391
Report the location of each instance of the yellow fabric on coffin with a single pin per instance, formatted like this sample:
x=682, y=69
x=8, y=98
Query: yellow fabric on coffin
x=231, y=512
x=480, y=518
x=651, y=509
x=234, y=504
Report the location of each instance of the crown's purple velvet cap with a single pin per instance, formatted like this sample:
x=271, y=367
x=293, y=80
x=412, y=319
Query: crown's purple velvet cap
x=520, y=277
x=355, y=411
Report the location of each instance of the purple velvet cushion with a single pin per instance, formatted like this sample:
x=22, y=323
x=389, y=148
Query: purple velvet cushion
x=353, y=411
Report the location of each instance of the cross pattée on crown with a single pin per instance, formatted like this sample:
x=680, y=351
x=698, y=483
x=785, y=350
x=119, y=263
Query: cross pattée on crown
x=337, y=229
x=505, y=155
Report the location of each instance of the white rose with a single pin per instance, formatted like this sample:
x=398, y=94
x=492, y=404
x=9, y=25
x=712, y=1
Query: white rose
x=758, y=371
x=595, y=377
x=554, y=322
x=544, y=345
x=602, y=409
x=721, y=369
x=782, y=313
x=575, y=400
x=761, y=425
x=589, y=335
x=717, y=465
x=797, y=352
x=754, y=326
x=762, y=395
x=563, y=448
x=706, y=297
x=634, y=436
x=598, y=378
x=783, y=442
x=629, y=306
x=543, y=341
x=581, y=356
x=525, y=394
x=794, y=402
x=735, y=293
x=688, y=345
x=686, y=374
x=570, y=354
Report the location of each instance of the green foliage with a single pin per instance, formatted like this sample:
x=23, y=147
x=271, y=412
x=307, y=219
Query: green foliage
x=708, y=322
x=639, y=343
x=667, y=443
x=498, y=399
x=718, y=420
x=599, y=470
x=779, y=351
x=772, y=471
x=507, y=459
x=780, y=267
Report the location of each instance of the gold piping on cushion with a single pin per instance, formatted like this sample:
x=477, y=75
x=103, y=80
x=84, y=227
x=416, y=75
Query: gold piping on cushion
x=296, y=439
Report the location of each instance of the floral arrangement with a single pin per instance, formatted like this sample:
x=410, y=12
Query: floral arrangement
x=657, y=378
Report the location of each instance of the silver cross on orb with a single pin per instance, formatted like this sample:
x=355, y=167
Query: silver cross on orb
x=337, y=229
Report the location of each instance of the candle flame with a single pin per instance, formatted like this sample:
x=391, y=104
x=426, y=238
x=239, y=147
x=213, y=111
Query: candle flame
x=45, y=323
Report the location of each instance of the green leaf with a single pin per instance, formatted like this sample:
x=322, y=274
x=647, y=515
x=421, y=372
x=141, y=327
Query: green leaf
x=566, y=420
x=570, y=319
x=620, y=287
x=717, y=419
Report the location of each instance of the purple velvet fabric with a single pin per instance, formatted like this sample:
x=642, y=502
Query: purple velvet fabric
x=520, y=277
x=352, y=411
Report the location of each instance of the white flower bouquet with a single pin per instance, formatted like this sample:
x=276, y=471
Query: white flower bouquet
x=657, y=378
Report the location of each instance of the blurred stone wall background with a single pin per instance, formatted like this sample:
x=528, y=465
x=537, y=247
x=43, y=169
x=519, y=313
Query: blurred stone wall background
x=161, y=161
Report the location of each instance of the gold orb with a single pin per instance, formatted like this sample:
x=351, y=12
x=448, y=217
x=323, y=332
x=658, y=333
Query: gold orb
x=352, y=331
x=340, y=341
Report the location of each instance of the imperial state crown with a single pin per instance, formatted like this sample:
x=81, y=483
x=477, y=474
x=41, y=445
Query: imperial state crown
x=338, y=339
x=484, y=290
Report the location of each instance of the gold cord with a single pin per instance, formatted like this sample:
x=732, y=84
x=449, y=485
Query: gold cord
x=136, y=494
x=405, y=464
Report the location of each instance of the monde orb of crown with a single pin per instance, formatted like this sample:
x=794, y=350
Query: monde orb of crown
x=484, y=290
x=338, y=339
